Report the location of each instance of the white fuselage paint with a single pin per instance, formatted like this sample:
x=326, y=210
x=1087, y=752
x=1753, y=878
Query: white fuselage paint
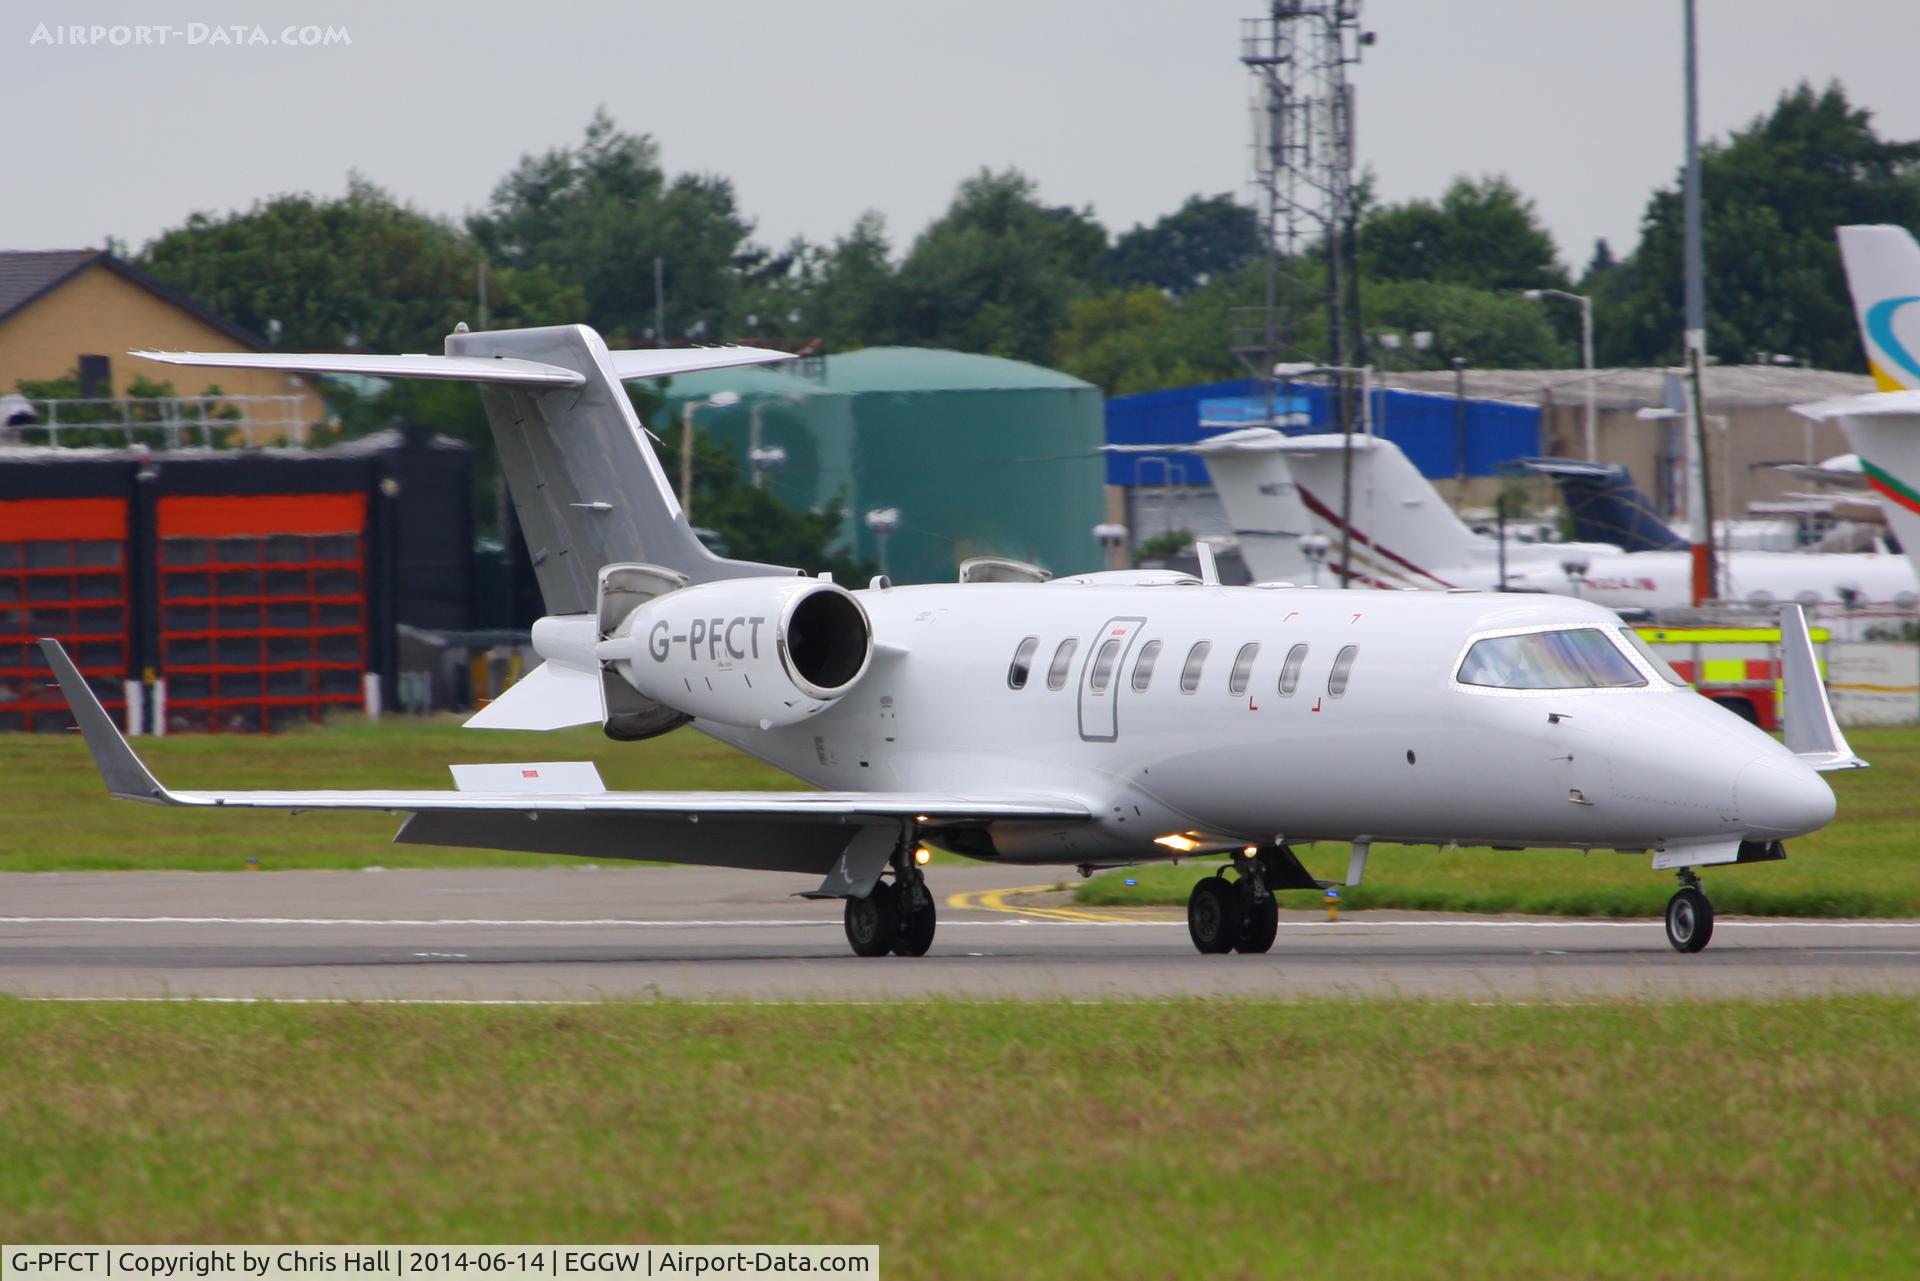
x=1407, y=754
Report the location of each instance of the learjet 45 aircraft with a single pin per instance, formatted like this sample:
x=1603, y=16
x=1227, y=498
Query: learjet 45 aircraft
x=1097, y=720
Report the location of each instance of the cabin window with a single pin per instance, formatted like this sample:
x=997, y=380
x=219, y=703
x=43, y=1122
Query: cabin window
x=1342, y=668
x=1576, y=658
x=1062, y=659
x=1103, y=666
x=1647, y=652
x=1243, y=668
x=1022, y=663
x=1143, y=665
x=1290, y=670
x=1196, y=660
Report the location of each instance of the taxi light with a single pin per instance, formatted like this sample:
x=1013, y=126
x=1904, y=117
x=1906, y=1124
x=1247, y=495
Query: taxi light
x=922, y=855
x=1251, y=850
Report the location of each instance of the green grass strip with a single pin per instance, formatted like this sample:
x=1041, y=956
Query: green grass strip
x=1313, y=1139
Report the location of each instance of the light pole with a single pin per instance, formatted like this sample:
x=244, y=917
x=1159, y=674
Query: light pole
x=764, y=460
x=719, y=400
x=1586, y=358
x=1289, y=372
x=883, y=521
x=1113, y=541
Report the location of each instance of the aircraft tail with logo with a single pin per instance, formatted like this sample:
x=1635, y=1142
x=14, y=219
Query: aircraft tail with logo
x=1883, y=273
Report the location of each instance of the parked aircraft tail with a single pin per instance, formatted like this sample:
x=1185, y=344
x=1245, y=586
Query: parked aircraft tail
x=1885, y=428
x=1401, y=527
x=1605, y=505
x=586, y=485
x=1883, y=273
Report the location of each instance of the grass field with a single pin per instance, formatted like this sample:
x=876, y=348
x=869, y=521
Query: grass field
x=59, y=818
x=1380, y=1139
x=1866, y=863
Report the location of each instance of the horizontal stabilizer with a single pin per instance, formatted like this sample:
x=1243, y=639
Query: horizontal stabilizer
x=506, y=370
x=480, y=369
x=569, y=778
x=548, y=697
x=641, y=363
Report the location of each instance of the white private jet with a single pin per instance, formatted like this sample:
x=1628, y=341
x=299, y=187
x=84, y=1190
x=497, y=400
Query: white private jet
x=1405, y=535
x=1098, y=720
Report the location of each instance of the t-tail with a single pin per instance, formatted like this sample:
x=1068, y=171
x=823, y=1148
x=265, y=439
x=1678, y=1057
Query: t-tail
x=612, y=548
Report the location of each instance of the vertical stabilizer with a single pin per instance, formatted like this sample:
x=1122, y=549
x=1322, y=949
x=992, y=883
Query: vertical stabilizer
x=1883, y=274
x=1404, y=534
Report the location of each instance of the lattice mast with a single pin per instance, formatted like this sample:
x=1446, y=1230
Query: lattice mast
x=1302, y=154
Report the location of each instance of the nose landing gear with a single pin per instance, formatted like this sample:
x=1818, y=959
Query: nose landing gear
x=1238, y=915
x=1689, y=914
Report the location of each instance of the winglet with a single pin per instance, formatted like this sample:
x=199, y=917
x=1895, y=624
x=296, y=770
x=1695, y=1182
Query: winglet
x=1811, y=732
x=126, y=777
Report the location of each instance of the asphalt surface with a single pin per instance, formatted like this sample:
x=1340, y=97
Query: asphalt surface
x=582, y=934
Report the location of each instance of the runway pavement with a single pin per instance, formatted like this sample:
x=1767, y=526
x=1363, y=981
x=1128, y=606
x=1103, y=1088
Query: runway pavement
x=582, y=933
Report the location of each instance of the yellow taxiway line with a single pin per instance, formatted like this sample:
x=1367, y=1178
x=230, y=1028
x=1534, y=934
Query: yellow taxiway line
x=996, y=901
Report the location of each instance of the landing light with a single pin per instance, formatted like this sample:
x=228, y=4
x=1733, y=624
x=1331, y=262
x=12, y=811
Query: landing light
x=1251, y=850
x=922, y=855
x=1177, y=842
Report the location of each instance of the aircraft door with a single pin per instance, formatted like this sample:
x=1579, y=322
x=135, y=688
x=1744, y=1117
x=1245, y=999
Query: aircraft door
x=1103, y=676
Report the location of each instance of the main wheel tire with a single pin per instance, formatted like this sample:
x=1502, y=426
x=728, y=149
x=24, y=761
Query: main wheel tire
x=1261, y=924
x=1213, y=915
x=873, y=922
x=1689, y=920
x=916, y=930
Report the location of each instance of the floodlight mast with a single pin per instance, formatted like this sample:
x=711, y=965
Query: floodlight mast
x=1704, y=575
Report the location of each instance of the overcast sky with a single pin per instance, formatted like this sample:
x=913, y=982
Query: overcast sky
x=818, y=111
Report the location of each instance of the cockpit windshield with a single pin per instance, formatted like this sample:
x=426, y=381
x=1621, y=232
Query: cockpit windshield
x=1576, y=658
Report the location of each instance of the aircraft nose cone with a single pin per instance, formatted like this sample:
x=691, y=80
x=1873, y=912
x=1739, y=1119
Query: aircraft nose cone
x=1782, y=797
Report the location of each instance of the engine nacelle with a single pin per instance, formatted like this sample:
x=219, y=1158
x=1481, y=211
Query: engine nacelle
x=752, y=652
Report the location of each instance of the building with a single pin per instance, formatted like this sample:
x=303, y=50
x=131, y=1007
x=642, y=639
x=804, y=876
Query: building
x=980, y=456
x=78, y=312
x=208, y=589
x=1749, y=410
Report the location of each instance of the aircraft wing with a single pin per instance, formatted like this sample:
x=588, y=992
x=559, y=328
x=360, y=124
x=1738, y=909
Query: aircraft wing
x=127, y=777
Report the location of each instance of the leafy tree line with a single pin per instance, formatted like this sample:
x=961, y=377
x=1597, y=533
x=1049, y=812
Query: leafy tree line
x=574, y=233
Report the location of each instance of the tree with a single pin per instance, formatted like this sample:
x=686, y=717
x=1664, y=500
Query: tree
x=363, y=272
x=1140, y=339
x=1771, y=196
x=1489, y=330
x=756, y=525
x=1206, y=238
x=996, y=272
x=1482, y=233
x=598, y=214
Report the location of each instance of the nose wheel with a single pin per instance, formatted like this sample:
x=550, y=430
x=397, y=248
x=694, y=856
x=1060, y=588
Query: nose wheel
x=1237, y=915
x=1689, y=915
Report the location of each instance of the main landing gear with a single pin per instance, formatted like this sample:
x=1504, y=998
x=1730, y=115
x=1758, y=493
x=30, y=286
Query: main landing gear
x=1689, y=914
x=1237, y=914
x=896, y=916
